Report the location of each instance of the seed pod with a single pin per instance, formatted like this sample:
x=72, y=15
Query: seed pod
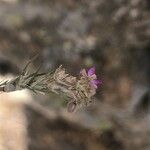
x=72, y=106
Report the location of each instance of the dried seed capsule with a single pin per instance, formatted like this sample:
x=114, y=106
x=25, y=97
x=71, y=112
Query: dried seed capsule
x=72, y=106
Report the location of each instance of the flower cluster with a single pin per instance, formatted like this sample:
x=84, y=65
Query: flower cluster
x=80, y=90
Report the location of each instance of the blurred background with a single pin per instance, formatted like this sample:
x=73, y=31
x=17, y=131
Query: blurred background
x=113, y=36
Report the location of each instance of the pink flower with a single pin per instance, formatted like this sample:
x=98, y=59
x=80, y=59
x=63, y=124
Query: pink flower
x=92, y=76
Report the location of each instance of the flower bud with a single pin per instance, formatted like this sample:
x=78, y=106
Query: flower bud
x=9, y=88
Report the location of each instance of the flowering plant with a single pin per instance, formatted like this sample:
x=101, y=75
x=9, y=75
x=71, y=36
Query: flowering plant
x=80, y=90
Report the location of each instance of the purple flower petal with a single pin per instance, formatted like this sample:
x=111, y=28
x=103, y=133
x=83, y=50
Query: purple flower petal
x=91, y=71
x=96, y=82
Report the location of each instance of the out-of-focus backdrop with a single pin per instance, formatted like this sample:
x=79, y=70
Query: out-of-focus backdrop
x=113, y=36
